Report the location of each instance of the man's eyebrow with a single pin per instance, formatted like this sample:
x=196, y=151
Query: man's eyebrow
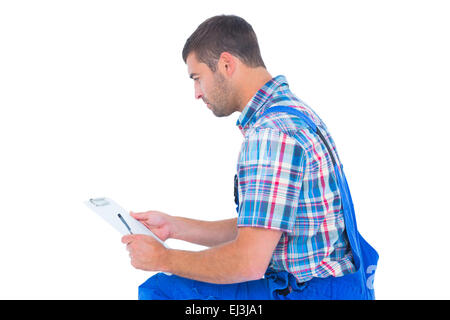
x=192, y=75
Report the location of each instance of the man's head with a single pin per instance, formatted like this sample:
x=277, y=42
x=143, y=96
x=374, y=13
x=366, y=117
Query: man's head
x=219, y=53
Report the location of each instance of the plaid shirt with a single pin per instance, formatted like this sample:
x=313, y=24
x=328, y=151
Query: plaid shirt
x=286, y=182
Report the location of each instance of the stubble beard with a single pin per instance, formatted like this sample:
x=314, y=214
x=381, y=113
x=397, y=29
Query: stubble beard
x=223, y=99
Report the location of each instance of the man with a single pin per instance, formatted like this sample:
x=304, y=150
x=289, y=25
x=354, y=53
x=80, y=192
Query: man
x=290, y=239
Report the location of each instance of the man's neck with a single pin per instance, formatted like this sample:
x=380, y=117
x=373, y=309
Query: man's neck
x=253, y=80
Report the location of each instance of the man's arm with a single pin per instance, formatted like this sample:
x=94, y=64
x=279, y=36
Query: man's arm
x=205, y=233
x=245, y=258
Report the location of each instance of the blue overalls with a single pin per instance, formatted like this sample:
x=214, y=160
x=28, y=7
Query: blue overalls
x=283, y=285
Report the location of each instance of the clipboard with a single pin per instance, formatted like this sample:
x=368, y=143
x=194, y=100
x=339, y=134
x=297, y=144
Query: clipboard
x=119, y=218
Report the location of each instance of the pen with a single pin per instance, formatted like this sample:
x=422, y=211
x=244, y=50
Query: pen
x=124, y=222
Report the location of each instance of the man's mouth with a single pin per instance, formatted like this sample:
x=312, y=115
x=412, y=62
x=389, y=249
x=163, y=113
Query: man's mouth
x=207, y=104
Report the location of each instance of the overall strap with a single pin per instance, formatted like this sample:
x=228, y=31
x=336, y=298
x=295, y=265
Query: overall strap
x=347, y=203
x=364, y=255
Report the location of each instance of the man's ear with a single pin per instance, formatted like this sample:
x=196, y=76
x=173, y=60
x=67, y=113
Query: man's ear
x=227, y=63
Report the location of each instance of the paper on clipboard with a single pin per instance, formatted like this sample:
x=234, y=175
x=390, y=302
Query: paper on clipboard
x=118, y=217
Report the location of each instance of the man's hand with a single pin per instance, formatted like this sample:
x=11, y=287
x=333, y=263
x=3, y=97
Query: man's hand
x=146, y=253
x=161, y=224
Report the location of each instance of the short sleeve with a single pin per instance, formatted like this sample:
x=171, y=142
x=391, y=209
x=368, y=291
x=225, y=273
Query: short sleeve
x=270, y=173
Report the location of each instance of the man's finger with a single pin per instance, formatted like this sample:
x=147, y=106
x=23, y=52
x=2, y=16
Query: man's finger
x=128, y=238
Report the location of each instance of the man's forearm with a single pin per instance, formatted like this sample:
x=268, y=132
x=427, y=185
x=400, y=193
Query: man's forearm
x=221, y=264
x=245, y=258
x=205, y=233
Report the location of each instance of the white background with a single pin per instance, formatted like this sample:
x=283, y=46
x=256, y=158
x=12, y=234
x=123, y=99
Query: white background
x=95, y=101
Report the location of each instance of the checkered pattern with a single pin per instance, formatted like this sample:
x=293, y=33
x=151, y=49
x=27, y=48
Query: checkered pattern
x=286, y=182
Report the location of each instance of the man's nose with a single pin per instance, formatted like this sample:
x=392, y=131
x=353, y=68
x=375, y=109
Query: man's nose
x=198, y=91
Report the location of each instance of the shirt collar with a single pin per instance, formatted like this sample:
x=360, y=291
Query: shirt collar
x=258, y=101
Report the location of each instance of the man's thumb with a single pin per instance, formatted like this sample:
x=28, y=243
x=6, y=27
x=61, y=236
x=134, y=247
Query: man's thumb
x=139, y=215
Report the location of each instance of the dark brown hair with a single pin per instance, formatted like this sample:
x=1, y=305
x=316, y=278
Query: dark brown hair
x=224, y=33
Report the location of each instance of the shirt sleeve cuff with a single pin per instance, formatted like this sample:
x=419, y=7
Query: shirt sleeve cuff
x=262, y=222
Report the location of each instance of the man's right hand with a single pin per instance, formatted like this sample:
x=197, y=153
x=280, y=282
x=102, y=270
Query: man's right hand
x=161, y=224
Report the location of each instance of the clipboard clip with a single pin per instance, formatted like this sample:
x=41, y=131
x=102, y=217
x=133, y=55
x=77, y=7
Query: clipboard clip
x=99, y=202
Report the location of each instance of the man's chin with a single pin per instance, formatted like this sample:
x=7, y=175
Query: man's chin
x=220, y=113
